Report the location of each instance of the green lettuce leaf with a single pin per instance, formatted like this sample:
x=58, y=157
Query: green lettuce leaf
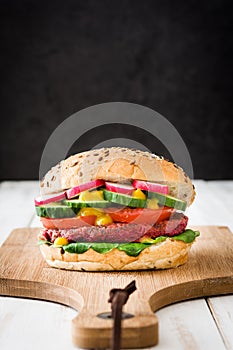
x=187, y=236
x=133, y=249
x=77, y=248
x=103, y=247
x=80, y=248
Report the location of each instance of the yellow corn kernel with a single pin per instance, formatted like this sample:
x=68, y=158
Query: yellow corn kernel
x=90, y=211
x=91, y=196
x=60, y=241
x=139, y=194
x=152, y=203
x=103, y=220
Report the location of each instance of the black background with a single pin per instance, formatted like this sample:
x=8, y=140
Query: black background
x=58, y=57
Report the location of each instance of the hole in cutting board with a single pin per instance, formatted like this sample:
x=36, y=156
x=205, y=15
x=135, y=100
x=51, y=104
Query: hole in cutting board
x=108, y=315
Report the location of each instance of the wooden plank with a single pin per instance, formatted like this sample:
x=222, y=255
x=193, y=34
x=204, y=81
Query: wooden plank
x=35, y=221
x=29, y=276
x=213, y=204
x=16, y=205
x=222, y=310
x=223, y=190
x=31, y=324
x=191, y=326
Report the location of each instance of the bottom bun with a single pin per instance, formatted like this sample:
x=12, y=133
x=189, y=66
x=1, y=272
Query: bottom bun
x=164, y=255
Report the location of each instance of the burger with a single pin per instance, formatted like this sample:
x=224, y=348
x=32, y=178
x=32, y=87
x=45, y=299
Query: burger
x=115, y=209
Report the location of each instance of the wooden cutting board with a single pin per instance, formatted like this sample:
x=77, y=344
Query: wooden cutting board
x=209, y=271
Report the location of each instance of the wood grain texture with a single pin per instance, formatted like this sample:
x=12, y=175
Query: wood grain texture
x=191, y=325
x=209, y=271
x=221, y=308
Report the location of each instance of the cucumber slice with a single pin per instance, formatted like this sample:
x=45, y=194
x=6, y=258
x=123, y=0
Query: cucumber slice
x=168, y=201
x=55, y=211
x=124, y=199
x=77, y=204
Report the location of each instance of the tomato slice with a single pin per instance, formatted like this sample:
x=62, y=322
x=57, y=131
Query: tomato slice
x=140, y=215
x=67, y=223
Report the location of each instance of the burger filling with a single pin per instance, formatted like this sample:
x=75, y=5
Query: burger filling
x=107, y=217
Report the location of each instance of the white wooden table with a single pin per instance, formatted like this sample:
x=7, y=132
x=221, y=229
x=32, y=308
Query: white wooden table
x=197, y=324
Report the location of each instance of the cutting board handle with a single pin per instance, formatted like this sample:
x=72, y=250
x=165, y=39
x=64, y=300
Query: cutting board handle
x=118, y=298
x=92, y=329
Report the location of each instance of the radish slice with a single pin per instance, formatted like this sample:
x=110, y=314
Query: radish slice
x=73, y=192
x=46, y=199
x=119, y=188
x=150, y=186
